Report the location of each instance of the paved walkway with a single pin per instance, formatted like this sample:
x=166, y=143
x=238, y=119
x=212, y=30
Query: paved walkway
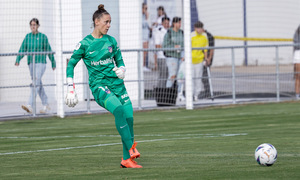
x=10, y=111
x=250, y=81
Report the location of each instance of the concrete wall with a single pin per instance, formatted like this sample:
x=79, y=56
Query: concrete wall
x=270, y=19
x=14, y=22
x=76, y=24
x=14, y=28
x=265, y=19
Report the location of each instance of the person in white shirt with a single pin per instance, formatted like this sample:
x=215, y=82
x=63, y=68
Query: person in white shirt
x=145, y=35
x=160, y=14
x=159, y=35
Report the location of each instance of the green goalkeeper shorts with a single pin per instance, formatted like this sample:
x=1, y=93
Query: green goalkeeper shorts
x=111, y=97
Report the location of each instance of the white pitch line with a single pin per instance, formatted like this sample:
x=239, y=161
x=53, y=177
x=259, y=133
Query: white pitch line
x=111, y=144
x=59, y=149
x=53, y=137
x=144, y=135
x=83, y=147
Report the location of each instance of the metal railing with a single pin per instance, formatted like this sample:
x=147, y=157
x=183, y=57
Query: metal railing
x=139, y=79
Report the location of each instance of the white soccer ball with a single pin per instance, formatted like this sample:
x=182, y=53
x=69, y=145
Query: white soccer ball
x=265, y=154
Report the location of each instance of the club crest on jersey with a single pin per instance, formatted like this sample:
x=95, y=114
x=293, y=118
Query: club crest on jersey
x=107, y=91
x=77, y=46
x=110, y=49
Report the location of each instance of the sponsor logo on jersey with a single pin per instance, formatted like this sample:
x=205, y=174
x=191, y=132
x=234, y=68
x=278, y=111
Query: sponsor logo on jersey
x=102, y=62
x=110, y=49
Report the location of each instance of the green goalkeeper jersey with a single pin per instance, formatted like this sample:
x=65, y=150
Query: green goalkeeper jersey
x=100, y=55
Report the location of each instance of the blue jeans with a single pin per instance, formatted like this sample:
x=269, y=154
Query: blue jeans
x=39, y=72
x=173, y=64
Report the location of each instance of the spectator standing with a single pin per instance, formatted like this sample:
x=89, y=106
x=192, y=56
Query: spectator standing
x=208, y=63
x=146, y=35
x=36, y=42
x=199, y=40
x=159, y=34
x=173, y=39
x=160, y=14
x=152, y=56
x=296, y=62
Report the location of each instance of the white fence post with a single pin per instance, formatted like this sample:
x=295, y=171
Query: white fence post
x=34, y=87
x=59, y=60
x=277, y=76
x=139, y=65
x=87, y=91
x=233, y=77
x=187, y=55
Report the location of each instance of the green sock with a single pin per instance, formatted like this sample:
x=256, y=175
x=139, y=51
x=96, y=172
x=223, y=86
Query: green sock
x=129, y=118
x=123, y=129
x=126, y=154
x=125, y=151
x=130, y=124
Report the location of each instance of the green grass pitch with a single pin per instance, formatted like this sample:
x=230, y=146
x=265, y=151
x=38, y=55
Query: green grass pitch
x=207, y=143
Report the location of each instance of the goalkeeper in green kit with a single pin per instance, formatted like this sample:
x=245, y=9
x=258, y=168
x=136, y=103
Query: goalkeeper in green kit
x=106, y=69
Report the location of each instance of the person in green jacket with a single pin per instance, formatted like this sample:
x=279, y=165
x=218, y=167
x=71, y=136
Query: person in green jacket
x=36, y=42
x=173, y=39
x=103, y=59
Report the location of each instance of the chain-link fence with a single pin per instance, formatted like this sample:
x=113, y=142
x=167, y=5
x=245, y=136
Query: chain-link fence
x=261, y=71
x=228, y=84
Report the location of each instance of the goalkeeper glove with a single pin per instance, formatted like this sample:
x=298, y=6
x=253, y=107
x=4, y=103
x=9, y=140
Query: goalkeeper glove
x=120, y=72
x=71, y=97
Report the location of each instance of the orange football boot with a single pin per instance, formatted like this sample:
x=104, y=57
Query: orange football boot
x=134, y=161
x=129, y=164
x=133, y=152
